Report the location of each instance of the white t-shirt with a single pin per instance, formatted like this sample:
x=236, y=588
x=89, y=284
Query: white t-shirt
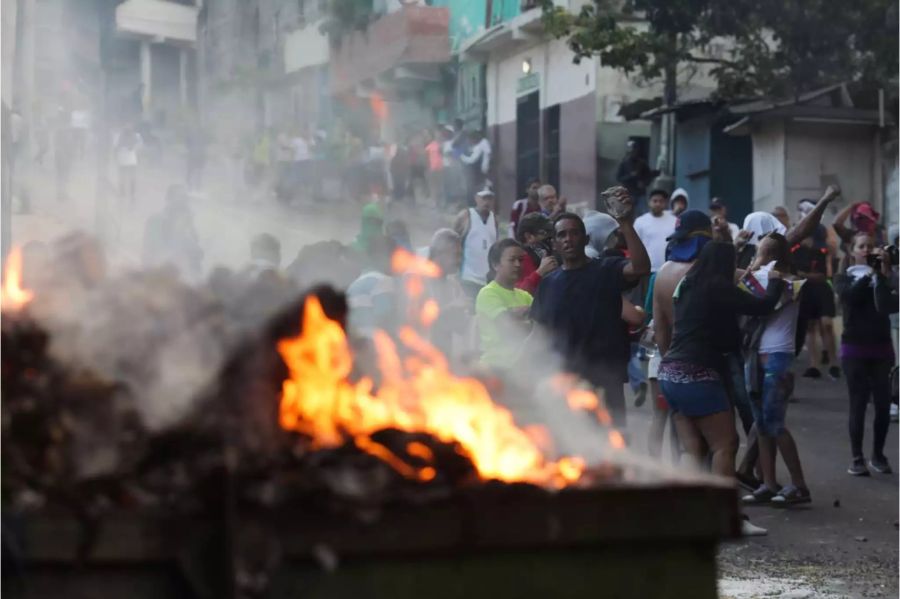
x=127, y=154
x=481, y=155
x=653, y=231
x=780, y=333
x=301, y=149
x=734, y=229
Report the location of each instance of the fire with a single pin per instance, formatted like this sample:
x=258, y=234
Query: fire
x=14, y=296
x=416, y=392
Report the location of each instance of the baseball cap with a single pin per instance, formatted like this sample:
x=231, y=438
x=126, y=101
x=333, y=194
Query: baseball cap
x=487, y=191
x=691, y=223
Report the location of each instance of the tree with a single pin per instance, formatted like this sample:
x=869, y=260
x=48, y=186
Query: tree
x=773, y=47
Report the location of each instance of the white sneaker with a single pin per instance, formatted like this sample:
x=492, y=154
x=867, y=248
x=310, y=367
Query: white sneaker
x=748, y=529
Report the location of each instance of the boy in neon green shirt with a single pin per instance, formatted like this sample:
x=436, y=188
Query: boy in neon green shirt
x=501, y=309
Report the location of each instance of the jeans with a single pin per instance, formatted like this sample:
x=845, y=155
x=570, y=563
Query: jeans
x=736, y=387
x=770, y=406
x=868, y=378
x=635, y=369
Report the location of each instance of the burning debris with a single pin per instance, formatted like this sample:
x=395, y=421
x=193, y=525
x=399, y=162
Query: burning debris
x=149, y=395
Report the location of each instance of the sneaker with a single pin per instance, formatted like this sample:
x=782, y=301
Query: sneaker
x=895, y=412
x=791, y=495
x=748, y=481
x=761, y=496
x=641, y=396
x=812, y=373
x=834, y=372
x=858, y=468
x=749, y=529
x=880, y=465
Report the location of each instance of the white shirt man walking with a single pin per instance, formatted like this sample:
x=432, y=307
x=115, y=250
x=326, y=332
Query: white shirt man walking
x=655, y=227
x=478, y=229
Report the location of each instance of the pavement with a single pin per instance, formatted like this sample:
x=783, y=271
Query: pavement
x=844, y=544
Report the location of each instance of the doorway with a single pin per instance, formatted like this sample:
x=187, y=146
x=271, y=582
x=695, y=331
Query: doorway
x=551, y=147
x=528, y=140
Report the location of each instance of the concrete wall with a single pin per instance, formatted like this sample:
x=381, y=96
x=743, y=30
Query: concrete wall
x=817, y=154
x=561, y=82
x=792, y=161
x=768, y=165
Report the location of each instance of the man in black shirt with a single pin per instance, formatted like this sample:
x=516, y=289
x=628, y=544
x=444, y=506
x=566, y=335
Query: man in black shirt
x=581, y=306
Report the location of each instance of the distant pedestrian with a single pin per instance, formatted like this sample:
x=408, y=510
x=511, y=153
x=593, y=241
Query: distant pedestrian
x=536, y=237
x=717, y=208
x=634, y=174
x=478, y=229
x=478, y=160
x=655, y=227
x=867, y=352
x=449, y=331
x=550, y=203
x=678, y=201
x=524, y=206
x=127, y=146
x=195, y=143
x=812, y=260
x=170, y=236
x=434, y=154
x=372, y=296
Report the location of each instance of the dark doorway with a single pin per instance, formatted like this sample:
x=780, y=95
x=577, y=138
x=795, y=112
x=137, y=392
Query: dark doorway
x=551, y=147
x=528, y=140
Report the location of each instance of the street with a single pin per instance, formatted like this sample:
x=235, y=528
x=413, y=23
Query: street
x=842, y=545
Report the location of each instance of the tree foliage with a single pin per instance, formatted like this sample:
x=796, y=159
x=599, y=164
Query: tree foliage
x=774, y=47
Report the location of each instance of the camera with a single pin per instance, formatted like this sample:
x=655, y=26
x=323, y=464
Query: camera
x=891, y=250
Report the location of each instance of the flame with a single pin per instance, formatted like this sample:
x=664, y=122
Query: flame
x=379, y=108
x=418, y=394
x=14, y=296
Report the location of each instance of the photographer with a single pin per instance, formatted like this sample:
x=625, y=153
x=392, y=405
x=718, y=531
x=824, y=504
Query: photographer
x=867, y=351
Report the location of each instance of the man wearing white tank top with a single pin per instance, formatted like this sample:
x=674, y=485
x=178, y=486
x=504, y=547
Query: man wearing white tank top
x=478, y=228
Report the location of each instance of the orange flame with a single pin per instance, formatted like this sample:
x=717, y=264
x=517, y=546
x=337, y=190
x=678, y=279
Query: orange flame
x=418, y=394
x=379, y=108
x=406, y=262
x=14, y=296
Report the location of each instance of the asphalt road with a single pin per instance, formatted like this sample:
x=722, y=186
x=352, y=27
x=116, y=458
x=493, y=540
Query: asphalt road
x=843, y=544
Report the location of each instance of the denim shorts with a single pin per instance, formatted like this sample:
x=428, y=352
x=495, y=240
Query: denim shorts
x=696, y=399
x=770, y=404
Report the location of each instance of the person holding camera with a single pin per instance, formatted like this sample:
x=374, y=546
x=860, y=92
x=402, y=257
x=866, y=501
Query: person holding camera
x=867, y=352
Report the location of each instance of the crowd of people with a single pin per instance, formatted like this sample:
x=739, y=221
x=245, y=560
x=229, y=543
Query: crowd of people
x=703, y=315
x=441, y=167
x=706, y=315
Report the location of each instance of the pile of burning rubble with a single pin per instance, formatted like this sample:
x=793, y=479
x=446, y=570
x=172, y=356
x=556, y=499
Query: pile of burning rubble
x=287, y=416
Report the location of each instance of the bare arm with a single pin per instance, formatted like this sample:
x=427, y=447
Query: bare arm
x=639, y=262
x=461, y=223
x=807, y=226
x=662, y=323
x=631, y=314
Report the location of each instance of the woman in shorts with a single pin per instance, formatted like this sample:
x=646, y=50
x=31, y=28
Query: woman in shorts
x=707, y=304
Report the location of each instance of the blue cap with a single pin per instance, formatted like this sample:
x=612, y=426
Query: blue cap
x=690, y=223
